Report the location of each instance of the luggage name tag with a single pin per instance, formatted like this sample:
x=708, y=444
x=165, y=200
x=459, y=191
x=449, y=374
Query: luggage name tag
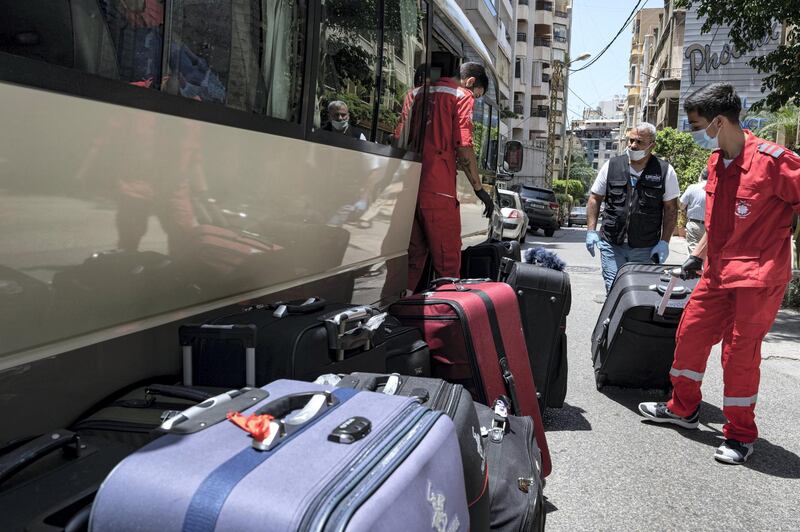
x=500, y=421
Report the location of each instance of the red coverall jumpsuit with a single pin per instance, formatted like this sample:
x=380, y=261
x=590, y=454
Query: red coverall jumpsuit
x=748, y=219
x=437, y=220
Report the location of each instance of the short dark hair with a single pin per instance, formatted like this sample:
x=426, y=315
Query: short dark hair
x=475, y=70
x=714, y=100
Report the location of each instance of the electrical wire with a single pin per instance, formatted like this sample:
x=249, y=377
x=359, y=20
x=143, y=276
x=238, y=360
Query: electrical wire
x=638, y=7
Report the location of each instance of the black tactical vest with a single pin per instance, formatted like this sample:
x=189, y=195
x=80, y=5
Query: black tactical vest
x=634, y=212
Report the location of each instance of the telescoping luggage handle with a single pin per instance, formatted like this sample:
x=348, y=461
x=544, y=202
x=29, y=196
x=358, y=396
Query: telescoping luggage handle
x=289, y=308
x=352, y=328
x=246, y=333
x=672, y=290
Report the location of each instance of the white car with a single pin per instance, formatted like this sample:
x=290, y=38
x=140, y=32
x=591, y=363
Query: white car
x=515, y=221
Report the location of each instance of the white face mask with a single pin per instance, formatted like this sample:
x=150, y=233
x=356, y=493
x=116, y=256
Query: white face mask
x=339, y=125
x=636, y=155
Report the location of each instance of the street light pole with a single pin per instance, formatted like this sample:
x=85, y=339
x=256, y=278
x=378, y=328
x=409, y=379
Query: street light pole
x=556, y=83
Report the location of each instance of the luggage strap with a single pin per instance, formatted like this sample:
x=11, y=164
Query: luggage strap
x=208, y=500
x=505, y=370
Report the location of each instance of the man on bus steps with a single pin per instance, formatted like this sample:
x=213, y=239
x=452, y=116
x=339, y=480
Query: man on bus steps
x=447, y=145
x=753, y=187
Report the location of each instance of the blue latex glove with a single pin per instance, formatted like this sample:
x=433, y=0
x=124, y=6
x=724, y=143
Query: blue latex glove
x=660, y=252
x=592, y=239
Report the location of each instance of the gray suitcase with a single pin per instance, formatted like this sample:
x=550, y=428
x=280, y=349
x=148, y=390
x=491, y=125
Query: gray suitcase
x=319, y=468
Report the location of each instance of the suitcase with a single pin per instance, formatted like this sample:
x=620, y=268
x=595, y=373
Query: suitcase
x=48, y=483
x=330, y=460
x=475, y=337
x=488, y=260
x=454, y=401
x=299, y=340
x=545, y=298
x=632, y=346
x=515, y=470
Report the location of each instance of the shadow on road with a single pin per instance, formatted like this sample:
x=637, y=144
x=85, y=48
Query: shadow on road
x=785, y=328
x=769, y=458
x=568, y=418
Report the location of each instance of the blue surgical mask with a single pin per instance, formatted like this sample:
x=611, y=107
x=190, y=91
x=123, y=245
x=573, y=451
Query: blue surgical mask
x=704, y=140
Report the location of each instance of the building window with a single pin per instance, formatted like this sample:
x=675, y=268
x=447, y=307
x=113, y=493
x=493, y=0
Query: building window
x=518, y=68
x=560, y=32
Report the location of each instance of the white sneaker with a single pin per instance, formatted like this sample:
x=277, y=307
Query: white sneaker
x=733, y=452
x=659, y=413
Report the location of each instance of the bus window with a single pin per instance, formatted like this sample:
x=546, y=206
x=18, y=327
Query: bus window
x=246, y=54
x=137, y=31
x=347, y=62
x=403, y=73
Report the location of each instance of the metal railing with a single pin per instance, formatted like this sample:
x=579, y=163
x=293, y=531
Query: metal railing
x=542, y=41
x=518, y=108
x=562, y=14
x=522, y=36
x=542, y=5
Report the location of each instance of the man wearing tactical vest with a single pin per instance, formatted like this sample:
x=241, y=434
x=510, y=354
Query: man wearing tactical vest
x=641, y=197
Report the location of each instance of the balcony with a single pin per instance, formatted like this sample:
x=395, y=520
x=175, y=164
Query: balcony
x=544, y=5
x=634, y=93
x=542, y=53
x=483, y=15
x=668, y=84
x=561, y=14
x=543, y=41
x=540, y=92
x=519, y=108
x=522, y=36
x=543, y=17
x=523, y=12
x=521, y=49
x=537, y=124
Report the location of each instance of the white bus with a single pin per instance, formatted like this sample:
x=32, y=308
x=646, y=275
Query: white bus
x=162, y=161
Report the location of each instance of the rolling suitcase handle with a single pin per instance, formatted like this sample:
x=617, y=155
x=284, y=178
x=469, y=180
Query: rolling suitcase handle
x=293, y=412
x=672, y=290
x=352, y=328
x=37, y=448
x=245, y=333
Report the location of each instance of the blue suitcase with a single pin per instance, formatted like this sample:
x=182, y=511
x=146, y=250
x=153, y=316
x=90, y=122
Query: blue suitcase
x=334, y=459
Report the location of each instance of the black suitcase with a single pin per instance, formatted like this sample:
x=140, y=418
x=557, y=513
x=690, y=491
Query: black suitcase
x=48, y=483
x=545, y=297
x=457, y=403
x=489, y=260
x=516, y=500
x=24, y=301
x=632, y=346
x=299, y=340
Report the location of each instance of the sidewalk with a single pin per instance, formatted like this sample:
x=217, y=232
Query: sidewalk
x=783, y=341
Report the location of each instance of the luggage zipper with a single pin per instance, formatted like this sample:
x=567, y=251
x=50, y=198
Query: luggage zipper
x=530, y=508
x=317, y=515
x=389, y=463
x=473, y=359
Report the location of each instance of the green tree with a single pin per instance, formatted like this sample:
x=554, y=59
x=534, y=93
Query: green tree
x=684, y=155
x=751, y=22
x=572, y=187
x=784, y=119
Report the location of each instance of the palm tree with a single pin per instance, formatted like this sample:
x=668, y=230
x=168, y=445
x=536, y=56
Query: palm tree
x=782, y=122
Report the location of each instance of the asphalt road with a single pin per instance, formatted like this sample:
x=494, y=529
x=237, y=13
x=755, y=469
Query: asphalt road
x=612, y=471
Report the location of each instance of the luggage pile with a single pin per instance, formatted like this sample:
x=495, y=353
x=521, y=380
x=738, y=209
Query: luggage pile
x=316, y=415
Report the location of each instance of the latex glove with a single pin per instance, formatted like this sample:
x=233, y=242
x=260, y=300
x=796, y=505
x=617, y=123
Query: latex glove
x=592, y=239
x=691, y=268
x=488, y=204
x=660, y=252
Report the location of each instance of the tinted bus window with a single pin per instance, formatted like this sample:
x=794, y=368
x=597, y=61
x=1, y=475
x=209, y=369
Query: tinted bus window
x=347, y=63
x=110, y=38
x=246, y=54
x=403, y=74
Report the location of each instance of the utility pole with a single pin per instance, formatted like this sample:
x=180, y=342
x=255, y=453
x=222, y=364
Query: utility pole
x=555, y=84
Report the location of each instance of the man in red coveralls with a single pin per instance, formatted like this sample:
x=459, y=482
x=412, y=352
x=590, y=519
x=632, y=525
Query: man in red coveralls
x=753, y=187
x=447, y=145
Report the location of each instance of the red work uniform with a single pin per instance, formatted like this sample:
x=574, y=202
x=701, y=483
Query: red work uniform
x=748, y=220
x=437, y=220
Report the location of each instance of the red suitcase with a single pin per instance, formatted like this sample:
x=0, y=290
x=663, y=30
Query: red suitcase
x=474, y=332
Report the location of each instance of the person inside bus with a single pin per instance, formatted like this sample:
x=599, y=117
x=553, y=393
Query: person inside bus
x=339, y=120
x=447, y=145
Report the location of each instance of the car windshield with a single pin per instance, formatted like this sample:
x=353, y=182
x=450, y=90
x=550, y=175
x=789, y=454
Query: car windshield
x=579, y=210
x=537, y=193
x=507, y=200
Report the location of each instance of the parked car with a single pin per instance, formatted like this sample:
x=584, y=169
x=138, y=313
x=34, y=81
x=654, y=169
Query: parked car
x=514, y=219
x=541, y=207
x=577, y=216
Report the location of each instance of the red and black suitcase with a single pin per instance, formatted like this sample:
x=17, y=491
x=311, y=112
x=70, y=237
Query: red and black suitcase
x=475, y=337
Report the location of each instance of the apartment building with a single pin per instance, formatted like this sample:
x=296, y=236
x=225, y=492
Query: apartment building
x=646, y=23
x=661, y=73
x=542, y=38
x=599, y=138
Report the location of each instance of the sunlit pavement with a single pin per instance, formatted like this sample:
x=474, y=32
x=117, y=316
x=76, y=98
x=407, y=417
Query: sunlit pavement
x=611, y=471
